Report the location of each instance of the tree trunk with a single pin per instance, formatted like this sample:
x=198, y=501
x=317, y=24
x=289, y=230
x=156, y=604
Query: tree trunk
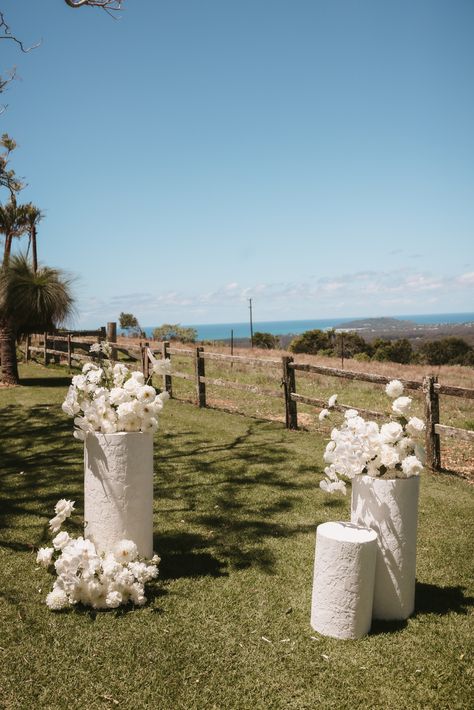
x=9, y=366
x=33, y=252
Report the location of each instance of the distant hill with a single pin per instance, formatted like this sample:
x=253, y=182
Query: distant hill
x=376, y=324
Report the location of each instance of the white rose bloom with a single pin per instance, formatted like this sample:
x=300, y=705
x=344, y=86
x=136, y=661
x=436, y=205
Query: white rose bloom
x=391, y=432
x=137, y=594
x=57, y=600
x=164, y=396
x=323, y=414
x=411, y=466
x=332, y=486
x=147, y=393
x=156, y=559
x=108, y=425
x=415, y=426
x=56, y=522
x=79, y=382
x=402, y=406
x=119, y=395
x=125, y=551
x=64, y=507
x=45, y=556
x=350, y=413
x=332, y=400
x=113, y=599
x=149, y=424
x=120, y=372
x=389, y=456
x=138, y=377
x=61, y=540
x=132, y=386
x=394, y=389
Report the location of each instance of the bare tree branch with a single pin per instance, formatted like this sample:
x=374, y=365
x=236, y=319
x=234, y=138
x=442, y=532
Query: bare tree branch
x=6, y=34
x=104, y=4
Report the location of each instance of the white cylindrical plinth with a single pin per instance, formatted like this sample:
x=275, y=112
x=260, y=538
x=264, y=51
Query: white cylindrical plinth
x=390, y=507
x=343, y=585
x=118, y=490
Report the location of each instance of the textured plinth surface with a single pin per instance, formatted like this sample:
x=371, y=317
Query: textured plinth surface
x=343, y=584
x=391, y=509
x=118, y=490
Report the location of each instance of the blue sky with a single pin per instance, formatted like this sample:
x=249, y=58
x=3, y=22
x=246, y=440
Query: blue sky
x=316, y=156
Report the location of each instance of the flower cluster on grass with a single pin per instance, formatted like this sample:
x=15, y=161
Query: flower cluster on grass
x=363, y=447
x=86, y=577
x=109, y=398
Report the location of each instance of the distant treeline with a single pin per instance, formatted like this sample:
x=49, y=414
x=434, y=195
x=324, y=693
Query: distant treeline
x=446, y=351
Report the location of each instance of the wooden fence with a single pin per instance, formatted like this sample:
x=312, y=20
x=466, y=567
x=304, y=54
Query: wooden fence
x=430, y=388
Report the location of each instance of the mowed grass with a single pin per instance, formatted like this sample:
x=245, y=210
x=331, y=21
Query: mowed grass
x=227, y=623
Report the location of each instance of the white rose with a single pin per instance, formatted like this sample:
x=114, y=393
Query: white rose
x=44, y=556
x=323, y=414
x=61, y=540
x=415, y=426
x=402, y=406
x=391, y=432
x=57, y=600
x=394, y=389
x=389, y=456
x=411, y=466
x=146, y=394
x=125, y=551
x=332, y=400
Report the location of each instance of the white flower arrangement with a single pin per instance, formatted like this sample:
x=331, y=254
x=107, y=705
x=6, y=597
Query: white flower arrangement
x=99, y=581
x=362, y=447
x=110, y=398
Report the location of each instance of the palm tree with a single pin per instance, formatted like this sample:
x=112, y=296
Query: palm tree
x=29, y=302
x=33, y=215
x=12, y=224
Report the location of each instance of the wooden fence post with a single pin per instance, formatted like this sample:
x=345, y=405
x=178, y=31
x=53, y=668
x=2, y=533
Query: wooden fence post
x=69, y=350
x=200, y=372
x=112, y=338
x=167, y=381
x=45, y=353
x=289, y=385
x=27, y=348
x=432, y=442
x=145, y=361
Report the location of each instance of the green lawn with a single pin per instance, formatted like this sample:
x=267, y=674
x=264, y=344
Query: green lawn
x=227, y=623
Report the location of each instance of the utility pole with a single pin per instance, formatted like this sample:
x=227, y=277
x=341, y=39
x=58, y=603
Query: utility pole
x=251, y=323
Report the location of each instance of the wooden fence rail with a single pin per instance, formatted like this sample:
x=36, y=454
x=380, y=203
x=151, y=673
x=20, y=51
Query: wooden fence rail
x=430, y=388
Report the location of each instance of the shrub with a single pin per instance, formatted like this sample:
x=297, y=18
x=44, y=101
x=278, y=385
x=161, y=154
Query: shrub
x=311, y=341
x=176, y=332
x=266, y=340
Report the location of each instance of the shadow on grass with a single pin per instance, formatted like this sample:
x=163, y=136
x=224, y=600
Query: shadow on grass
x=432, y=599
x=45, y=381
x=429, y=599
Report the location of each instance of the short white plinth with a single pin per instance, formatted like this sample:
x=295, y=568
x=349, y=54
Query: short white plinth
x=343, y=586
x=390, y=507
x=118, y=490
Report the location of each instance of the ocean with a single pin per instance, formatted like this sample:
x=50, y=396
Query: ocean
x=222, y=331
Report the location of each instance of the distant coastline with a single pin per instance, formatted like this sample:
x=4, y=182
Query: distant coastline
x=222, y=331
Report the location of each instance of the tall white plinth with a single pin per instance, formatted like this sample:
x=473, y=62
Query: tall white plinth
x=118, y=490
x=390, y=507
x=343, y=585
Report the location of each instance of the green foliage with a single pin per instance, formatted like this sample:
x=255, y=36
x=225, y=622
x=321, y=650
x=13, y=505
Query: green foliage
x=392, y=350
x=34, y=302
x=176, y=332
x=130, y=324
x=352, y=343
x=311, y=341
x=362, y=357
x=447, y=351
x=266, y=340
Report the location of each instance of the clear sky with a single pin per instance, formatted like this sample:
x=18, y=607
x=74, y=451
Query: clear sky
x=315, y=155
